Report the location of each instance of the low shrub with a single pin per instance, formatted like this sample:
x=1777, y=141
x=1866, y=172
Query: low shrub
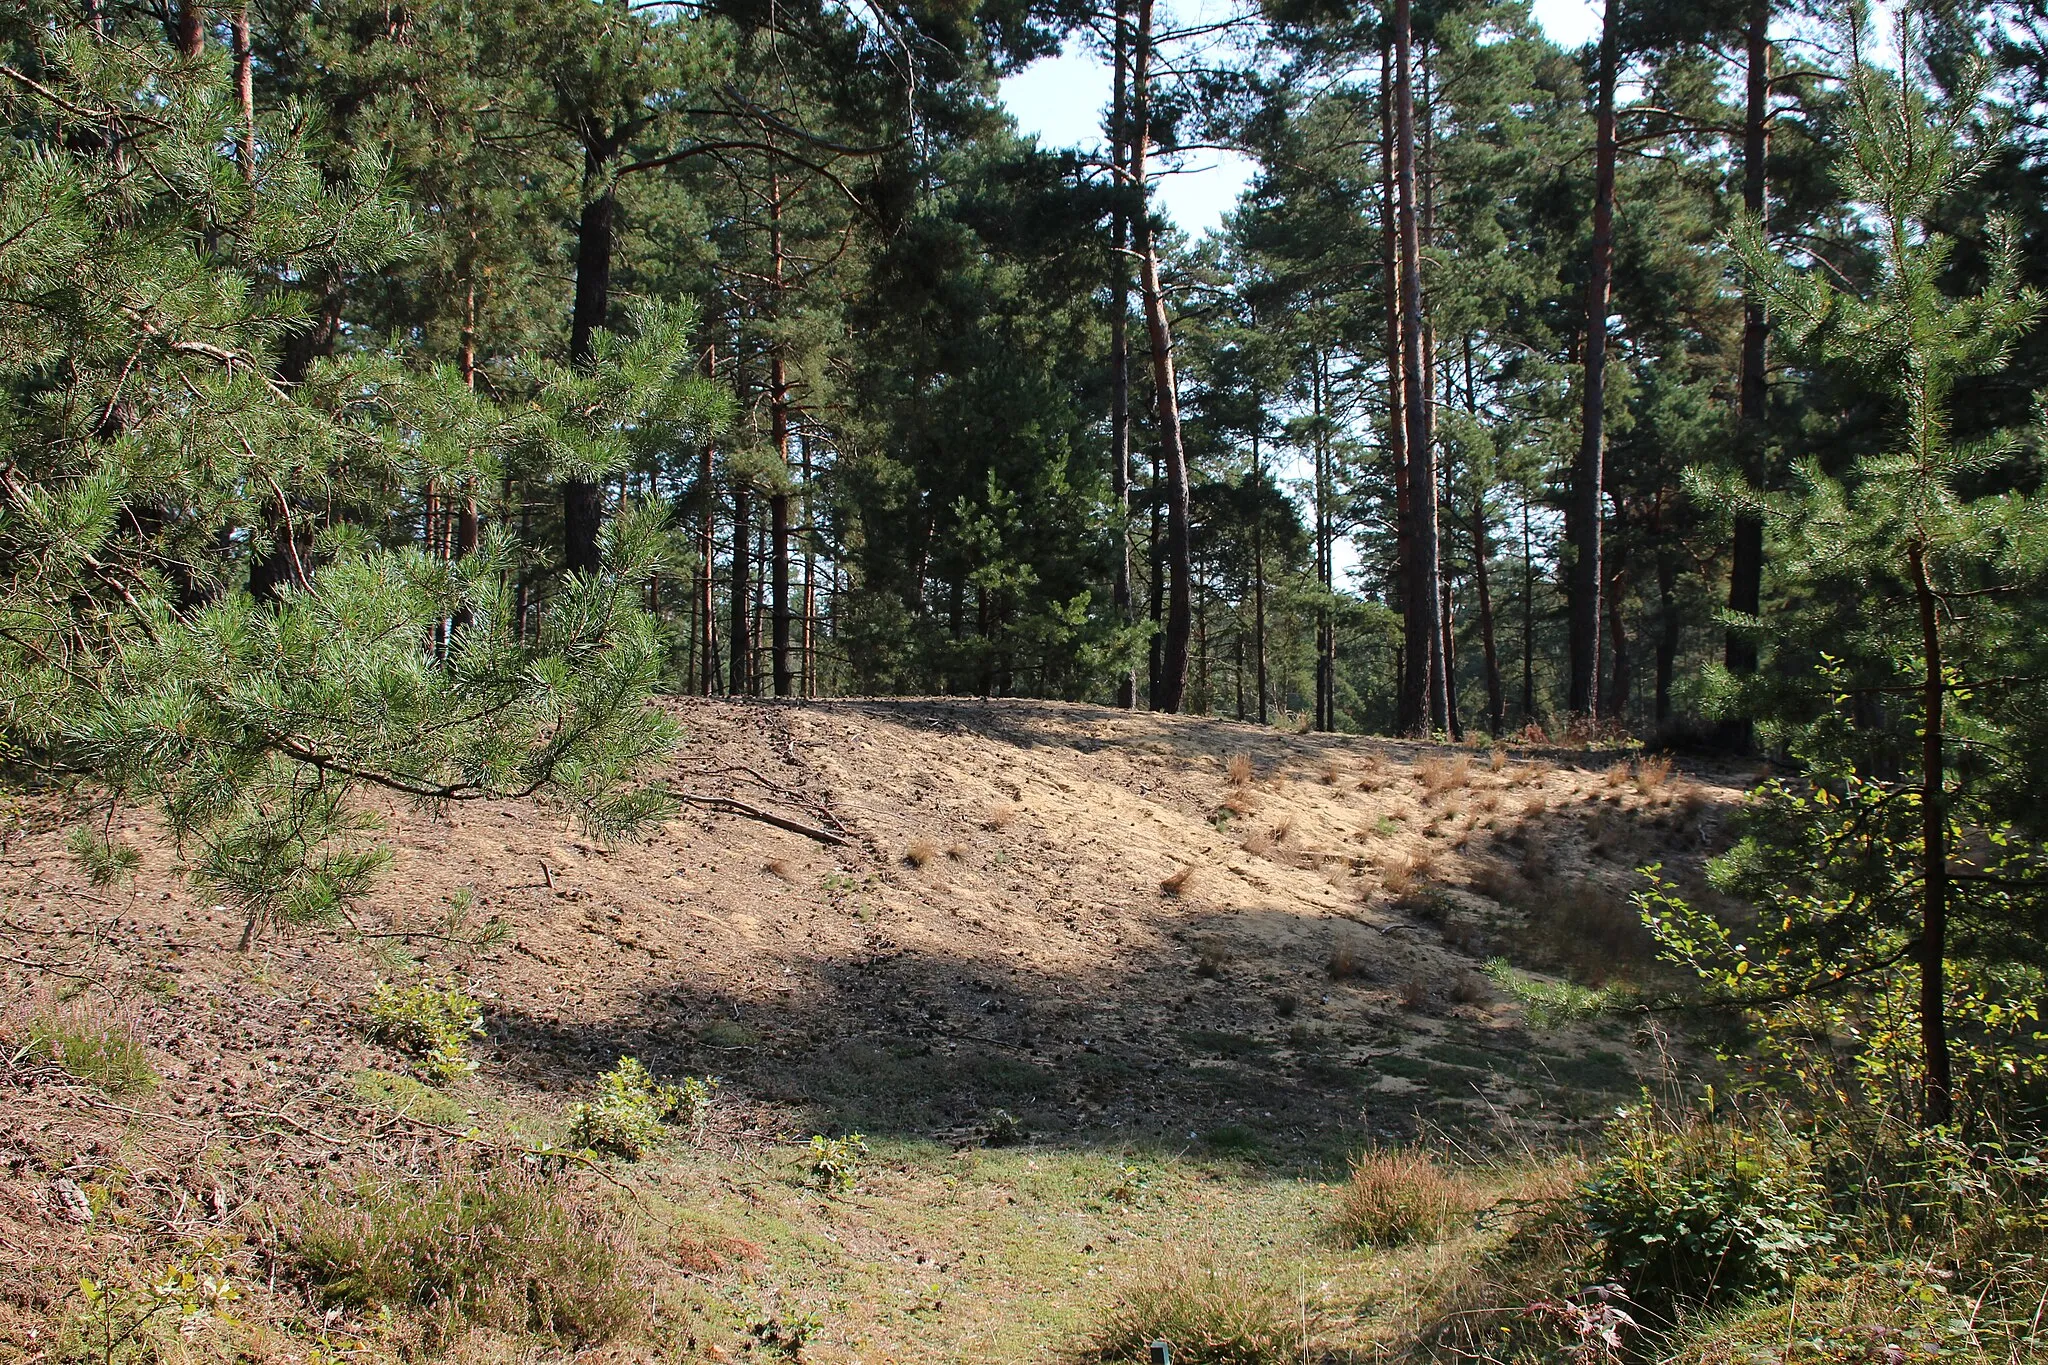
x=99, y=1047
x=1399, y=1195
x=497, y=1248
x=1871, y=1313
x=632, y=1111
x=835, y=1162
x=1209, y=1315
x=1698, y=1212
x=430, y=1023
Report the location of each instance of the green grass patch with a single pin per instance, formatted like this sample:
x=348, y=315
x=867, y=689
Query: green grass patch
x=406, y=1095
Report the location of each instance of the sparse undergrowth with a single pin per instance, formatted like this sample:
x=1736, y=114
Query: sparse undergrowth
x=1211, y=1315
x=497, y=1248
x=431, y=1023
x=99, y=1046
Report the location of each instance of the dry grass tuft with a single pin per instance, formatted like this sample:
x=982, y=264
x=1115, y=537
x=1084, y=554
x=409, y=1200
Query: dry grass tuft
x=957, y=852
x=1212, y=1315
x=1348, y=960
x=1396, y=1196
x=1535, y=805
x=1440, y=775
x=1212, y=955
x=1259, y=844
x=1238, y=768
x=1333, y=772
x=1651, y=774
x=1001, y=815
x=1619, y=774
x=778, y=867
x=1490, y=801
x=1497, y=760
x=1282, y=830
x=1414, y=994
x=1240, y=804
x=1179, y=883
x=920, y=851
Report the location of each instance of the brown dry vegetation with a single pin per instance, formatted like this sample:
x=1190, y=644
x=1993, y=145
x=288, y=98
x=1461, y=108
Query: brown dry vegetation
x=1287, y=1012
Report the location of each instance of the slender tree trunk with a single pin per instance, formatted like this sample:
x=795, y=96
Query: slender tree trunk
x=1325, y=677
x=245, y=93
x=1496, y=705
x=1120, y=350
x=188, y=28
x=1622, y=680
x=1746, y=558
x=1173, y=664
x=583, y=499
x=1528, y=617
x=783, y=675
x=707, y=550
x=1423, y=639
x=1410, y=699
x=739, y=638
x=1938, y=1102
x=1587, y=471
x=778, y=533
x=1259, y=574
x=1667, y=630
x=809, y=533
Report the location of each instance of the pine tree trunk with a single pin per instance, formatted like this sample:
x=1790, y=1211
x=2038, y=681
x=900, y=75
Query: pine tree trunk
x=1528, y=617
x=1938, y=1101
x=1667, y=632
x=1411, y=700
x=245, y=93
x=1496, y=704
x=1746, y=553
x=188, y=28
x=1423, y=640
x=1259, y=577
x=739, y=639
x=1120, y=354
x=1173, y=663
x=583, y=499
x=778, y=534
x=707, y=550
x=1587, y=472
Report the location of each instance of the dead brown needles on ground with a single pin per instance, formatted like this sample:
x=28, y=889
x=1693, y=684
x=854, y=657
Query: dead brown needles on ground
x=1238, y=768
x=1179, y=883
x=920, y=851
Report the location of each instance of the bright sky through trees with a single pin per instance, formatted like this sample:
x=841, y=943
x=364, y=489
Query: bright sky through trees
x=1062, y=98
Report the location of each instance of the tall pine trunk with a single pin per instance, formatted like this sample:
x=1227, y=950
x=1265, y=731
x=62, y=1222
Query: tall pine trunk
x=1937, y=1104
x=1496, y=705
x=1120, y=352
x=1746, y=557
x=583, y=499
x=707, y=550
x=1410, y=701
x=780, y=664
x=739, y=637
x=1259, y=573
x=1422, y=638
x=1173, y=661
x=1584, y=510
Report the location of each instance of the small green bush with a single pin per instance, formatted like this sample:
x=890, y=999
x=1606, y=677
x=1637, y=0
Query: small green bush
x=835, y=1162
x=497, y=1248
x=429, y=1023
x=632, y=1110
x=100, y=1048
x=1210, y=1315
x=1700, y=1212
x=1398, y=1196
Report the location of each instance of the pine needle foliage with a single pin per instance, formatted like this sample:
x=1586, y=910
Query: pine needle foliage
x=158, y=450
x=1898, y=890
